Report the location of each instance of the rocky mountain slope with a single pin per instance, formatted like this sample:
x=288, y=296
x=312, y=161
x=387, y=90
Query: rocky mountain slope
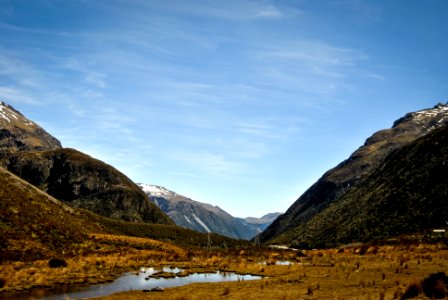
x=369, y=157
x=84, y=182
x=204, y=217
x=69, y=175
x=406, y=194
x=17, y=133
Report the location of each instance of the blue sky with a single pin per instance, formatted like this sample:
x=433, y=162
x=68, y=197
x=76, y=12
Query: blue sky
x=241, y=104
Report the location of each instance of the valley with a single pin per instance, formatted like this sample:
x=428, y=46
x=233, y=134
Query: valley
x=204, y=217
x=363, y=231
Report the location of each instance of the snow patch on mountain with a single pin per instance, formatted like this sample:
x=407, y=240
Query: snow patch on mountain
x=188, y=219
x=155, y=190
x=7, y=114
x=4, y=112
x=201, y=223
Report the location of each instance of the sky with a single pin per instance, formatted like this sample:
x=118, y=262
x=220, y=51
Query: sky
x=241, y=104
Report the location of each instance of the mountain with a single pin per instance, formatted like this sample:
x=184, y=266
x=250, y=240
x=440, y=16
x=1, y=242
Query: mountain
x=84, y=182
x=203, y=217
x=341, y=179
x=17, y=133
x=260, y=224
x=34, y=225
x=69, y=175
x=406, y=194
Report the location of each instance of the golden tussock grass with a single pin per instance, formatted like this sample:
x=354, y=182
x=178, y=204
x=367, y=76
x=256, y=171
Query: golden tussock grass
x=385, y=273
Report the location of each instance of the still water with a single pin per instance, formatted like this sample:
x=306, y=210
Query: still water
x=134, y=281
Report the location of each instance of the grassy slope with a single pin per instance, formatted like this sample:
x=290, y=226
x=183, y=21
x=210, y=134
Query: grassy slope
x=35, y=225
x=407, y=194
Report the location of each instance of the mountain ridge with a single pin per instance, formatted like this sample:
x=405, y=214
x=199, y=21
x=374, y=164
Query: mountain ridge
x=405, y=195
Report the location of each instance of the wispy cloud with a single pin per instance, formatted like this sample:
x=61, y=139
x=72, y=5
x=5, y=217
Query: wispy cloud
x=315, y=54
x=213, y=164
x=232, y=10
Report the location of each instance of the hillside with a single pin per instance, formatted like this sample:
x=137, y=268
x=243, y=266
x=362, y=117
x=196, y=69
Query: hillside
x=69, y=175
x=35, y=225
x=17, y=133
x=84, y=182
x=203, y=217
x=339, y=180
x=406, y=194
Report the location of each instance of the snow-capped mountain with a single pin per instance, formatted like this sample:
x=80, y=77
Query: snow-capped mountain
x=203, y=217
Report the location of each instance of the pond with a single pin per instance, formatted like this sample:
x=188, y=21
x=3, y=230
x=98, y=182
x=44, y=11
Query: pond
x=132, y=281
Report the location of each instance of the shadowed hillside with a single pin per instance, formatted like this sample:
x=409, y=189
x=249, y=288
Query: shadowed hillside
x=84, y=182
x=407, y=194
x=35, y=225
x=339, y=180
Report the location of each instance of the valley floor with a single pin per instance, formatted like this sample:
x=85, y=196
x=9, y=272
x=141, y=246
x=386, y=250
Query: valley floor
x=384, y=272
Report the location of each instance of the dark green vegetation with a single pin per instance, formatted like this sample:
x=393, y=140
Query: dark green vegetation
x=84, y=182
x=335, y=183
x=408, y=193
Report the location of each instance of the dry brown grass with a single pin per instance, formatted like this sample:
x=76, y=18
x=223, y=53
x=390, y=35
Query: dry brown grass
x=324, y=274
x=108, y=256
x=320, y=275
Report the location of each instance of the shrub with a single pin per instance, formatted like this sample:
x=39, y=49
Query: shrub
x=413, y=290
x=57, y=263
x=436, y=286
